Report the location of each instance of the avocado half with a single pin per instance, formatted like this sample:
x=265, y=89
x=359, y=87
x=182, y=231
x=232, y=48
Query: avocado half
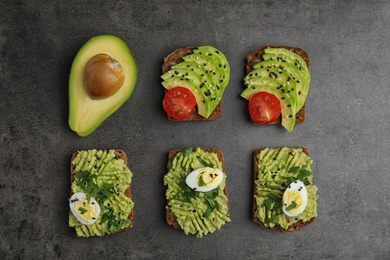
x=86, y=113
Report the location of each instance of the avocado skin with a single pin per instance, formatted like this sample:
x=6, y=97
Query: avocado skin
x=85, y=114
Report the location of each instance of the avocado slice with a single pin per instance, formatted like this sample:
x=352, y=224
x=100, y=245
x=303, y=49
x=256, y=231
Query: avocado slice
x=275, y=84
x=300, y=78
x=220, y=59
x=211, y=67
x=293, y=63
x=288, y=113
x=289, y=54
x=289, y=84
x=196, y=78
x=208, y=70
x=87, y=113
x=204, y=108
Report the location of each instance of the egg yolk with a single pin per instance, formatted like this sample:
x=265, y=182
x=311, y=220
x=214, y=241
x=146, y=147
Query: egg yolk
x=209, y=176
x=85, y=210
x=291, y=196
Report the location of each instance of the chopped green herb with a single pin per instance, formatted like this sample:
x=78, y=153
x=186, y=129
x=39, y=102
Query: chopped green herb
x=268, y=203
x=169, y=166
x=293, y=205
x=207, y=212
x=204, y=162
x=187, y=152
x=82, y=210
x=201, y=181
x=274, y=197
x=295, y=169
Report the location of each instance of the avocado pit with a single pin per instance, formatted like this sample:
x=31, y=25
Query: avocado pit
x=103, y=76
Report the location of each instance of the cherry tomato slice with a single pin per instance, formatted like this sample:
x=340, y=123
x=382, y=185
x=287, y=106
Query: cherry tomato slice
x=179, y=103
x=264, y=108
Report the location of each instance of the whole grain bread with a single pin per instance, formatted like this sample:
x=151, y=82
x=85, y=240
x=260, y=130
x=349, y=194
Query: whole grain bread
x=257, y=56
x=174, y=58
x=293, y=227
x=171, y=219
x=119, y=154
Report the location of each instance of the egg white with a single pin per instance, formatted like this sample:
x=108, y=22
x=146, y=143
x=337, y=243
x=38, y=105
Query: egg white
x=192, y=180
x=300, y=187
x=72, y=205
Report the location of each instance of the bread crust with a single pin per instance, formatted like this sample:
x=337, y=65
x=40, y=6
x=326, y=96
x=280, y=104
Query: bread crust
x=119, y=154
x=174, y=58
x=293, y=227
x=257, y=56
x=170, y=218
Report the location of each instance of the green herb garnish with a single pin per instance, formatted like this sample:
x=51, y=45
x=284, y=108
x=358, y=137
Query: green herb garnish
x=204, y=162
x=170, y=164
x=201, y=181
x=302, y=174
x=187, y=152
x=82, y=210
x=85, y=180
x=268, y=203
x=293, y=205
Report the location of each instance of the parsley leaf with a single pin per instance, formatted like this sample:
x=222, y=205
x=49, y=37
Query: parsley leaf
x=295, y=169
x=170, y=165
x=204, y=162
x=82, y=210
x=201, y=181
x=187, y=152
x=293, y=205
x=207, y=212
x=274, y=197
x=268, y=203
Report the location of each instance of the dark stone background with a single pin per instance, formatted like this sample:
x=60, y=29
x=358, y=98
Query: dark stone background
x=346, y=129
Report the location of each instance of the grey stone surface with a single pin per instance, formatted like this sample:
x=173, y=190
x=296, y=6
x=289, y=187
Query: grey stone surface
x=346, y=129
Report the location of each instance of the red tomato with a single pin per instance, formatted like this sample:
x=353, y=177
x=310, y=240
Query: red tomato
x=179, y=102
x=264, y=108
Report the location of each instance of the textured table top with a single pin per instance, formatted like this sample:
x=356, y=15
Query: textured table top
x=346, y=129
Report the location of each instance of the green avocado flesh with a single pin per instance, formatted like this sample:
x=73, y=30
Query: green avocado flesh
x=207, y=70
x=111, y=177
x=277, y=168
x=197, y=213
x=284, y=71
x=85, y=113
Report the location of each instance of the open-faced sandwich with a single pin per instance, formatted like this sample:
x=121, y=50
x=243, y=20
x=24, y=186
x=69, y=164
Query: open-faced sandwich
x=196, y=191
x=285, y=197
x=277, y=83
x=195, y=79
x=101, y=200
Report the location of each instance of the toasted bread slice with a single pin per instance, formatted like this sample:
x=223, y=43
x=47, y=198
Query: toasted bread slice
x=174, y=58
x=257, y=56
x=119, y=154
x=170, y=217
x=293, y=227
